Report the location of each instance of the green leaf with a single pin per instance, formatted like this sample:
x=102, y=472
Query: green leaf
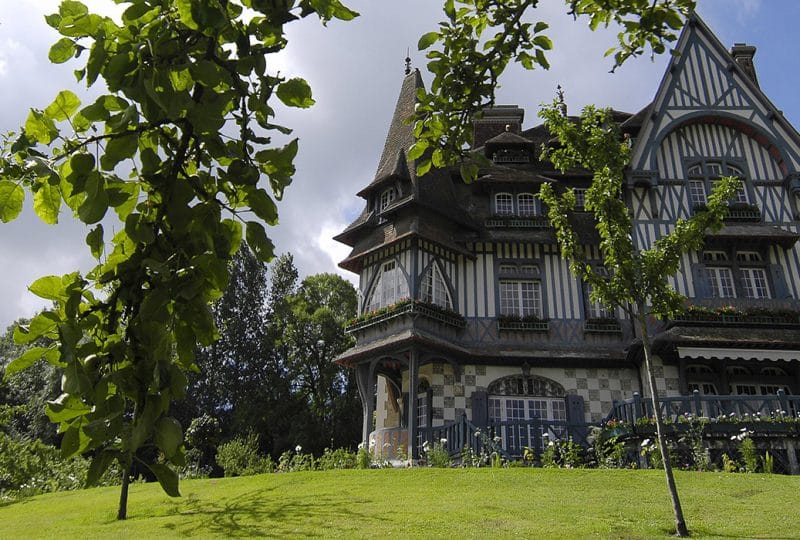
x=295, y=93
x=27, y=359
x=543, y=42
x=263, y=206
x=64, y=106
x=427, y=40
x=61, y=51
x=261, y=245
x=65, y=408
x=49, y=288
x=118, y=149
x=185, y=13
x=47, y=202
x=168, y=435
x=12, y=197
x=166, y=477
x=41, y=128
x=95, y=241
x=96, y=204
x=100, y=463
x=43, y=324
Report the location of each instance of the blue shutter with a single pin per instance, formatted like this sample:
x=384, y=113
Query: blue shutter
x=779, y=288
x=700, y=281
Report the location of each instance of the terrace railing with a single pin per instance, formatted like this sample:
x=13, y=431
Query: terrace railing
x=630, y=410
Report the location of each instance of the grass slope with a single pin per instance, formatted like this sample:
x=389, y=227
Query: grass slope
x=441, y=503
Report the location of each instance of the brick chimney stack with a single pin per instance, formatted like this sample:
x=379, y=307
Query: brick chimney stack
x=743, y=55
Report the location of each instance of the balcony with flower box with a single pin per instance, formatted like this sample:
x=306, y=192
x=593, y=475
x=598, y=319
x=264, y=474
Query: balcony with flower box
x=737, y=316
x=405, y=315
x=531, y=323
x=602, y=325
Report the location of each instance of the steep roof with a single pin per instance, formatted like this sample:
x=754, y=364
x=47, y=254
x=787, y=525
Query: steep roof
x=393, y=162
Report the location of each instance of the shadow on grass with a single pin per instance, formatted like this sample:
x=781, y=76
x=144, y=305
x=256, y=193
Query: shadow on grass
x=266, y=513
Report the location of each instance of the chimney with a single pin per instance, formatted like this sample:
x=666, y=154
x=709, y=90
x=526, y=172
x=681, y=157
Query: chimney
x=743, y=55
x=493, y=121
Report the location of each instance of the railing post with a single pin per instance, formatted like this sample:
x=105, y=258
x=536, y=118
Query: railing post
x=783, y=402
x=698, y=404
x=537, y=435
x=637, y=406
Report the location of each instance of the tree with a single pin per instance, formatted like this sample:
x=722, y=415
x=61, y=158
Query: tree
x=312, y=337
x=181, y=76
x=637, y=278
x=468, y=62
x=176, y=148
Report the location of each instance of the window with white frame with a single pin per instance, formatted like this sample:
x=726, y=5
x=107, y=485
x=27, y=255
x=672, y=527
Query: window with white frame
x=517, y=401
x=520, y=298
x=434, y=288
x=388, y=288
x=503, y=204
x=526, y=204
x=743, y=276
x=720, y=282
x=703, y=176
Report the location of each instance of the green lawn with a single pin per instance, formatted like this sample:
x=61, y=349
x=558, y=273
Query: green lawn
x=440, y=503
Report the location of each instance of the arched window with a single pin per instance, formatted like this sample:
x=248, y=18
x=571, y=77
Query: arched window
x=525, y=397
x=703, y=176
x=503, y=204
x=388, y=288
x=434, y=288
x=526, y=204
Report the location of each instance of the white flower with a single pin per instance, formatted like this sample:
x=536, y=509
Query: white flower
x=646, y=442
x=734, y=437
x=545, y=435
x=497, y=439
x=443, y=441
x=361, y=446
x=477, y=432
x=387, y=445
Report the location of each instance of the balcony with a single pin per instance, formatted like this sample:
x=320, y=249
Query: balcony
x=517, y=222
x=602, y=326
x=737, y=212
x=522, y=324
x=732, y=316
x=406, y=308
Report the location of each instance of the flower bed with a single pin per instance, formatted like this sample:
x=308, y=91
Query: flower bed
x=733, y=315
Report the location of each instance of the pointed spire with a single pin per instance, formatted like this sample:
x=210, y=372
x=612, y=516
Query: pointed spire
x=393, y=160
x=408, y=62
x=561, y=103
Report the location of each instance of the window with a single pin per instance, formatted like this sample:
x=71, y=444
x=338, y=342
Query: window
x=523, y=204
x=703, y=176
x=526, y=204
x=596, y=310
x=503, y=204
x=388, y=288
x=520, y=298
x=743, y=275
x=720, y=281
x=705, y=389
x=517, y=401
x=387, y=197
x=434, y=288
x=580, y=198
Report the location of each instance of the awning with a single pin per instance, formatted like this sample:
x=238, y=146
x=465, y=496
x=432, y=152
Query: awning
x=771, y=355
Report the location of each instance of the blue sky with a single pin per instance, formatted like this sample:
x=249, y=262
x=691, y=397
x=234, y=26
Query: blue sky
x=355, y=70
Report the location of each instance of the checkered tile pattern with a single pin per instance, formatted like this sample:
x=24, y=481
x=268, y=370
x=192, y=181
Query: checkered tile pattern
x=599, y=387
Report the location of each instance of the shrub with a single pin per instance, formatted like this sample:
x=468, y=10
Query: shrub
x=296, y=461
x=437, y=455
x=750, y=457
x=30, y=468
x=240, y=457
x=363, y=457
x=341, y=458
x=563, y=454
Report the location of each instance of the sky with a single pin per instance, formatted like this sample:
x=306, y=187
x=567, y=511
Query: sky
x=355, y=70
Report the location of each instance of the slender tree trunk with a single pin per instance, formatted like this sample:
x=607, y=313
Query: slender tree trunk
x=122, y=511
x=680, y=522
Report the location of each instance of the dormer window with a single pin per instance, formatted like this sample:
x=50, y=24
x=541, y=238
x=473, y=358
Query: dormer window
x=523, y=204
x=580, y=198
x=387, y=197
x=526, y=204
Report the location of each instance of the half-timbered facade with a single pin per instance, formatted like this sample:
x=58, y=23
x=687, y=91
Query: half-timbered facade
x=468, y=310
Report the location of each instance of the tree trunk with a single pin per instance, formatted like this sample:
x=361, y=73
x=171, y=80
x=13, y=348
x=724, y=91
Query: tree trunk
x=680, y=522
x=122, y=511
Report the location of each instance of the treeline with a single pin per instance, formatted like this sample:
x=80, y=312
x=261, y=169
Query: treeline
x=269, y=376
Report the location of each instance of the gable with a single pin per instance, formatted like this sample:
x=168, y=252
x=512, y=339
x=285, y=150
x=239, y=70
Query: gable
x=704, y=85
